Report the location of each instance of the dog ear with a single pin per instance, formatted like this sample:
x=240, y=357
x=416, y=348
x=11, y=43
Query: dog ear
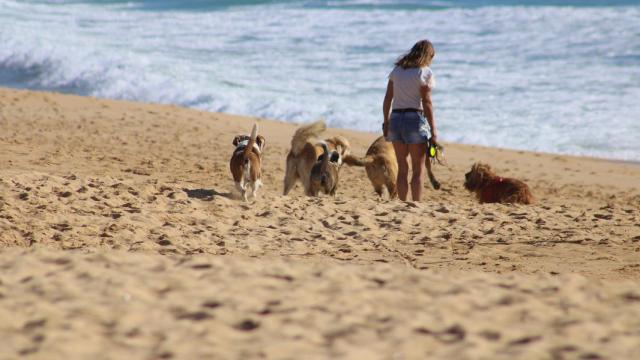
x=335, y=157
x=260, y=140
x=480, y=174
x=474, y=176
x=484, y=172
x=236, y=140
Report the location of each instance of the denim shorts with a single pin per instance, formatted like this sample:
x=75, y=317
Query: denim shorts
x=408, y=127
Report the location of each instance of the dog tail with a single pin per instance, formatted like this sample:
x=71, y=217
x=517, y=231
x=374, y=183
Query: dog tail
x=254, y=135
x=325, y=162
x=352, y=160
x=325, y=154
x=304, y=133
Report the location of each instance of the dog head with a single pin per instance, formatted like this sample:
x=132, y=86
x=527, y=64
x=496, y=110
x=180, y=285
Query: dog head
x=341, y=145
x=244, y=139
x=335, y=156
x=478, y=176
x=240, y=139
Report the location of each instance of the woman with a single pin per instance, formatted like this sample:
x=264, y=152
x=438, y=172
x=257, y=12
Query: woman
x=409, y=90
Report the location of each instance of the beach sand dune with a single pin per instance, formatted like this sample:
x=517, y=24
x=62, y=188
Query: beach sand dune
x=120, y=236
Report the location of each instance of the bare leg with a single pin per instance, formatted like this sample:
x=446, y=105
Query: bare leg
x=402, y=152
x=418, y=154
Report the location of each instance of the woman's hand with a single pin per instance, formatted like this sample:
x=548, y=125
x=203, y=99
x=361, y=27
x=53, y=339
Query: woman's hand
x=385, y=128
x=427, y=106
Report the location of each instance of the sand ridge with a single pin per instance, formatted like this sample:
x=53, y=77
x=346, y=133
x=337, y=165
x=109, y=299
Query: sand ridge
x=128, y=197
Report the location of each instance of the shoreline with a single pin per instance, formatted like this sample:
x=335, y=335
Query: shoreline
x=623, y=161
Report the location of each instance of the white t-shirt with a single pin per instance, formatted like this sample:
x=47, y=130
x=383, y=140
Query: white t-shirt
x=406, y=86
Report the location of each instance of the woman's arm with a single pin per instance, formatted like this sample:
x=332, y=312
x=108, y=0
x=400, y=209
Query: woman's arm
x=386, y=107
x=427, y=106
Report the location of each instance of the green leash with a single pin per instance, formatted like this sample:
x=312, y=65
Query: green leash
x=436, y=153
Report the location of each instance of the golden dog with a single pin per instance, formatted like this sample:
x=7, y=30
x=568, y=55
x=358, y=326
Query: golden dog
x=304, y=155
x=490, y=188
x=382, y=167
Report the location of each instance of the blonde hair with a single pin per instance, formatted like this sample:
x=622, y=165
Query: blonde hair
x=419, y=56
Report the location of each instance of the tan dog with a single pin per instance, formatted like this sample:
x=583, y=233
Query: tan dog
x=490, y=188
x=304, y=154
x=325, y=173
x=246, y=162
x=382, y=167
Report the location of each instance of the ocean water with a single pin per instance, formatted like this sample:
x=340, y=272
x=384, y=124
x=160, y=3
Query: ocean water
x=547, y=75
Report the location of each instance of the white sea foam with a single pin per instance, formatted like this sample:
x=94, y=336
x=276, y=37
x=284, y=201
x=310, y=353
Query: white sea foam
x=552, y=79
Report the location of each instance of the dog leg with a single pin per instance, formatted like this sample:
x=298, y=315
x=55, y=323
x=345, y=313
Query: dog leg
x=311, y=191
x=290, y=177
x=250, y=185
x=391, y=189
x=245, y=187
x=256, y=186
x=240, y=187
x=306, y=184
x=432, y=178
x=518, y=197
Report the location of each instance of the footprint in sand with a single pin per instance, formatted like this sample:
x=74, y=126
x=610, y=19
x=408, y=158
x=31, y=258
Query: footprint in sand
x=198, y=315
x=211, y=304
x=62, y=226
x=64, y=194
x=519, y=216
x=163, y=240
x=450, y=335
x=247, y=325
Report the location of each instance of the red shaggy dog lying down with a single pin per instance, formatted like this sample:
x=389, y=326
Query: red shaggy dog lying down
x=490, y=188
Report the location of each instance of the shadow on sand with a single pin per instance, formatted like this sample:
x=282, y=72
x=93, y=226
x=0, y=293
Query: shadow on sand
x=206, y=194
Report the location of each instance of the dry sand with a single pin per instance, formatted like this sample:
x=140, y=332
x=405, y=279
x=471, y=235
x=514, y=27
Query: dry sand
x=119, y=239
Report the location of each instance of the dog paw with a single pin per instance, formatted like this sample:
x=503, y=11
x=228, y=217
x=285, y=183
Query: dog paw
x=436, y=185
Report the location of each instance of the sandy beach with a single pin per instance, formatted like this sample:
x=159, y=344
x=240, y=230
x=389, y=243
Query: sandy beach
x=119, y=238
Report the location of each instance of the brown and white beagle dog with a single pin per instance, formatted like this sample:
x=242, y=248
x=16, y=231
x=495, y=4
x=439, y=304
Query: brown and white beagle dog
x=246, y=162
